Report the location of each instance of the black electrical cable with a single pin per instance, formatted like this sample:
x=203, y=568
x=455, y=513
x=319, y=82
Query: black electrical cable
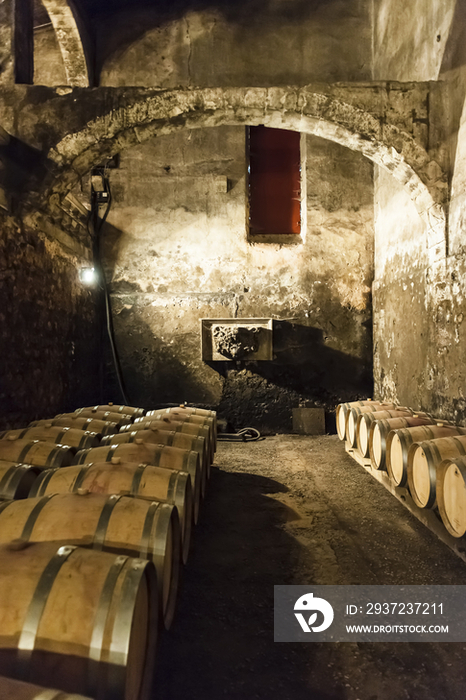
x=243, y=435
x=95, y=237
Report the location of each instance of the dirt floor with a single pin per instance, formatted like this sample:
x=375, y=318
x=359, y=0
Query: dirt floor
x=298, y=510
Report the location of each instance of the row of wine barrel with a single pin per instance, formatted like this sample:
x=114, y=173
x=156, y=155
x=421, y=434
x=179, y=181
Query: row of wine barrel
x=92, y=536
x=422, y=453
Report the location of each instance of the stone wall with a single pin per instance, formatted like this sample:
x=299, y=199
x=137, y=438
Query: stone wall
x=176, y=251
x=48, y=330
x=210, y=43
x=419, y=305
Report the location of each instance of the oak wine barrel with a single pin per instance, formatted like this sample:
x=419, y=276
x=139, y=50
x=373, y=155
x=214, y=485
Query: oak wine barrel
x=16, y=479
x=41, y=454
x=380, y=429
x=114, y=408
x=155, y=455
x=60, y=435
x=355, y=411
x=17, y=690
x=165, y=437
x=399, y=441
x=182, y=426
x=81, y=620
x=197, y=420
x=121, y=524
x=423, y=459
x=342, y=412
x=125, y=478
x=102, y=427
x=451, y=495
x=113, y=416
x=365, y=420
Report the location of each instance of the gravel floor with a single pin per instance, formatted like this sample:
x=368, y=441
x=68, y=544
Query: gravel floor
x=298, y=510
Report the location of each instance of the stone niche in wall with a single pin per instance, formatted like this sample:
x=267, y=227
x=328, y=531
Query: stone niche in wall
x=236, y=339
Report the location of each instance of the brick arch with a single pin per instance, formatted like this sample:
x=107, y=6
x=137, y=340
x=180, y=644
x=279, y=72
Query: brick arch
x=69, y=40
x=157, y=113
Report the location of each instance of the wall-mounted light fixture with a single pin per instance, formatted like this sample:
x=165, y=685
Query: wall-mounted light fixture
x=88, y=276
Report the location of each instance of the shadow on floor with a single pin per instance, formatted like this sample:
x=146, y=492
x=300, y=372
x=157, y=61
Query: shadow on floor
x=221, y=644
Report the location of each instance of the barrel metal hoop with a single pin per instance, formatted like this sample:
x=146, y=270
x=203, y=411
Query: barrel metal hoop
x=53, y=460
x=33, y=515
x=111, y=453
x=100, y=623
x=146, y=531
x=460, y=446
x=36, y=608
x=102, y=525
x=5, y=505
x=60, y=436
x=16, y=478
x=4, y=482
x=135, y=484
x=25, y=450
x=172, y=484
x=40, y=486
x=81, y=455
x=80, y=478
x=119, y=645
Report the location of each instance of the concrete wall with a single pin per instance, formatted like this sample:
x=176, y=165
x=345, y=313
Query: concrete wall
x=419, y=306
x=176, y=250
x=209, y=43
x=48, y=330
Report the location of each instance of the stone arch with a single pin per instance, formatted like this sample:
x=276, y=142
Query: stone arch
x=69, y=40
x=152, y=114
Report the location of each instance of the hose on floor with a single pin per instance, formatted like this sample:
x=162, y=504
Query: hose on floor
x=243, y=435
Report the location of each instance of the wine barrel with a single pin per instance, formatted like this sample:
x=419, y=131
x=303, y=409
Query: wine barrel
x=17, y=690
x=102, y=427
x=197, y=420
x=16, y=480
x=182, y=426
x=125, y=478
x=126, y=525
x=171, y=438
x=451, y=495
x=423, y=459
x=399, y=442
x=114, y=408
x=41, y=454
x=81, y=620
x=188, y=410
x=155, y=455
x=380, y=429
x=342, y=412
x=57, y=434
x=355, y=411
x=114, y=416
x=365, y=420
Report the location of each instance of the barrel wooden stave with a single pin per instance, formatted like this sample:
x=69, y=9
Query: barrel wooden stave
x=60, y=638
x=355, y=411
x=36, y=452
x=380, y=429
x=156, y=455
x=134, y=527
x=114, y=408
x=60, y=435
x=11, y=689
x=451, y=495
x=342, y=412
x=171, y=438
x=182, y=426
x=126, y=478
x=399, y=442
x=364, y=421
x=16, y=480
x=423, y=459
x=101, y=427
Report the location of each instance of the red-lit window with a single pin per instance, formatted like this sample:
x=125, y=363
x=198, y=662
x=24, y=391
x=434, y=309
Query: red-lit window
x=274, y=182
